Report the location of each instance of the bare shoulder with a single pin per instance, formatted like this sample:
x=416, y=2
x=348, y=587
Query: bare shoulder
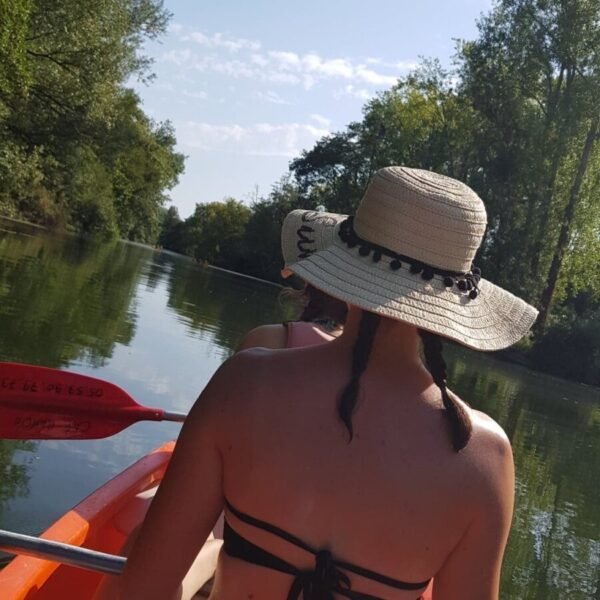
x=489, y=456
x=231, y=389
x=489, y=436
x=472, y=569
x=265, y=336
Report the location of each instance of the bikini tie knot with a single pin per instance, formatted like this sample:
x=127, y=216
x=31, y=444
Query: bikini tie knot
x=320, y=583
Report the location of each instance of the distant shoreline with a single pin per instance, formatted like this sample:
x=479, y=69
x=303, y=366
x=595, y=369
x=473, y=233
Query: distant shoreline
x=513, y=356
x=23, y=222
x=208, y=265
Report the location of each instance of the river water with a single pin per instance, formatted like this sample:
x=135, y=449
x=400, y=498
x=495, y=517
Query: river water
x=159, y=325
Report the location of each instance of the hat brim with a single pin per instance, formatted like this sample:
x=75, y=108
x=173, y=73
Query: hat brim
x=494, y=320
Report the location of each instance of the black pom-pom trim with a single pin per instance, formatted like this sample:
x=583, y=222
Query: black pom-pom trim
x=466, y=282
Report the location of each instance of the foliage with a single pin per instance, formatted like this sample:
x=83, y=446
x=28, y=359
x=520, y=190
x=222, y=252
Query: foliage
x=77, y=151
x=14, y=15
x=421, y=121
x=570, y=350
x=213, y=233
x=262, y=237
x=170, y=224
x=533, y=77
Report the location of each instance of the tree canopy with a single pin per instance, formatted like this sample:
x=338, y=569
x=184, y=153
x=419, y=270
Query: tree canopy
x=516, y=118
x=76, y=150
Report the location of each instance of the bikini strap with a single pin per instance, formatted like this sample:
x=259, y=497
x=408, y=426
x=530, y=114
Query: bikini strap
x=292, y=539
x=288, y=537
x=318, y=583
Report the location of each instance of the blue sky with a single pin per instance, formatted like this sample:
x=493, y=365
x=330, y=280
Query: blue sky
x=248, y=85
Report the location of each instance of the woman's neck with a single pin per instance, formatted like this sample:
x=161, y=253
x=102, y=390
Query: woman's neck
x=396, y=343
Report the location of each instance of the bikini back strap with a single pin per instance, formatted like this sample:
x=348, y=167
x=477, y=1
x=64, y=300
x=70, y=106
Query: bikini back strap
x=288, y=537
x=292, y=539
x=319, y=583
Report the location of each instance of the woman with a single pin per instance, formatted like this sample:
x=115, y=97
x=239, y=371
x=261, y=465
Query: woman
x=347, y=469
x=322, y=318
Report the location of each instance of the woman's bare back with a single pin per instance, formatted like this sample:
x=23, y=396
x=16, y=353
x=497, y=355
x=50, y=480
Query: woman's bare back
x=396, y=500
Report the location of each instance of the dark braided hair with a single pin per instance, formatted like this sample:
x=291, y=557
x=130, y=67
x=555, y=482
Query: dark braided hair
x=312, y=304
x=320, y=305
x=460, y=424
x=360, y=357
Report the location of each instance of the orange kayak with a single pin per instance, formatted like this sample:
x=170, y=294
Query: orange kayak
x=103, y=521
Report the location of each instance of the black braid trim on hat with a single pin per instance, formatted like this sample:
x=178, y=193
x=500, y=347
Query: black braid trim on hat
x=464, y=282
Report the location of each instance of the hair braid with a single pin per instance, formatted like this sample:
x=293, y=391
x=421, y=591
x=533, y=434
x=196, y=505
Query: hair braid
x=460, y=423
x=360, y=358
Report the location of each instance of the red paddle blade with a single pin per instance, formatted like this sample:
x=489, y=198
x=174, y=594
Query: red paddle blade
x=40, y=403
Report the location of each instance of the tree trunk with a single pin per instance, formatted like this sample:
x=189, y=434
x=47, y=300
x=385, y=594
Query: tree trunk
x=565, y=229
x=547, y=194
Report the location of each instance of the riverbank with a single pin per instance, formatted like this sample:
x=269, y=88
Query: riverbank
x=568, y=352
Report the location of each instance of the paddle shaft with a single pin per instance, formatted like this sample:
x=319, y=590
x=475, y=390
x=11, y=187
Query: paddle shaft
x=74, y=556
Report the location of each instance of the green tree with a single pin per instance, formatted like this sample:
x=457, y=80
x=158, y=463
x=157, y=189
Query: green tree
x=142, y=161
x=533, y=78
x=214, y=232
x=262, y=237
x=170, y=227
x=421, y=122
x=14, y=77
x=67, y=119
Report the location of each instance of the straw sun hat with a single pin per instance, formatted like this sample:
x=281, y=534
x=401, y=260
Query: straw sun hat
x=408, y=255
x=304, y=232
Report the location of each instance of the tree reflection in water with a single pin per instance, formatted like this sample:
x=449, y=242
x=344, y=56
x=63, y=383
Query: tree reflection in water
x=554, y=546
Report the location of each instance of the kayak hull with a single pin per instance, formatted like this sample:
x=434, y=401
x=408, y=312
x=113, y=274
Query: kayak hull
x=102, y=521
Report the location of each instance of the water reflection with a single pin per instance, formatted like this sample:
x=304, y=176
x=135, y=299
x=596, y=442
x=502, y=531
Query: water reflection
x=65, y=299
x=14, y=476
x=153, y=323
x=159, y=325
x=203, y=300
x=554, y=547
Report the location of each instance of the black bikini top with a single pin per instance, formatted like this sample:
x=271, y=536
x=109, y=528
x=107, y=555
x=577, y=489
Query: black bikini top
x=320, y=583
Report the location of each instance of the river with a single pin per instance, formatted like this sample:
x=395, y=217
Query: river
x=159, y=325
